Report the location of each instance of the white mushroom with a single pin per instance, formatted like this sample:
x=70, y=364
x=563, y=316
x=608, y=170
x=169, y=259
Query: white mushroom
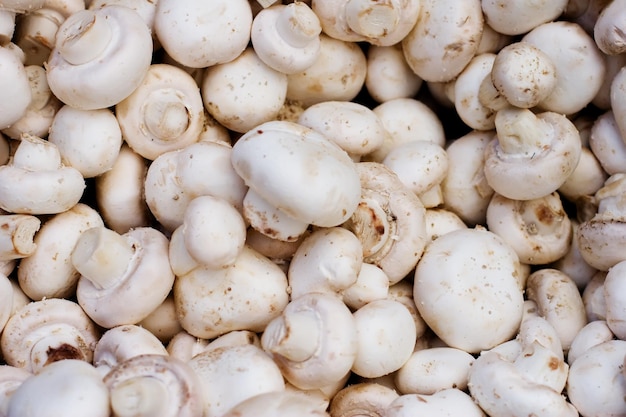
x=17, y=233
x=286, y=37
x=313, y=341
x=219, y=32
x=117, y=270
x=328, y=260
x=15, y=96
x=10, y=379
x=88, y=140
x=388, y=74
x=605, y=141
x=467, y=289
x=276, y=158
x=594, y=333
x=608, y=30
x=385, y=23
x=49, y=272
x=153, y=385
x=365, y=397
x=245, y=295
x=469, y=103
x=444, y=39
x=520, y=17
x=246, y=367
x=538, y=230
x=614, y=298
x=389, y=221
x=122, y=343
x=532, y=155
x=47, y=331
x=113, y=34
x=70, y=388
x=278, y=403
x=36, y=182
x=447, y=402
x=164, y=113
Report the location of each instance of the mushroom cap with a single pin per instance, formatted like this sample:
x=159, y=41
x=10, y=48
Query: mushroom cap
x=516, y=18
x=299, y=171
x=15, y=91
x=467, y=290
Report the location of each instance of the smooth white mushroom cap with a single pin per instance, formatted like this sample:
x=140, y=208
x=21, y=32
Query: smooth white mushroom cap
x=515, y=18
x=218, y=33
x=467, y=93
x=615, y=301
x=388, y=74
x=113, y=34
x=447, y=402
x=467, y=289
x=299, y=171
x=70, y=388
x=15, y=91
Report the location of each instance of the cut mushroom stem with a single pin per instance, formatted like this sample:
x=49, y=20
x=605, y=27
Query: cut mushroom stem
x=372, y=19
x=298, y=25
x=86, y=37
x=521, y=132
x=142, y=396
x=290, y=336
x=102, y=256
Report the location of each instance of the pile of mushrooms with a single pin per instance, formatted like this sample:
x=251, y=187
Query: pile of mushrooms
x=312, y=208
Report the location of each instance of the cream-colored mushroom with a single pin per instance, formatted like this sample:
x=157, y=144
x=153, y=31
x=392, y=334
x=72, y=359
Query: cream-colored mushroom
x=17, y=233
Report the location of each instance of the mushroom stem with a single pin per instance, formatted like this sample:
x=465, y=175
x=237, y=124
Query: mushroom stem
x=102, y=256
x=58, y=342
x=139, y=397
x=521, y=132
x=85, y=36
x=36, y=154
x=17, y=232
x=371, y=18
x=291, y=335
x=165, y=115
x=298, y=25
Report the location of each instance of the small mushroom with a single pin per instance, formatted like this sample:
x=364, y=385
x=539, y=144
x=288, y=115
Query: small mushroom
x=153, y=385
x=17, y=233
x=72, y=388
x=88, y=140
x=121, y=343
x=286, y=37
x=538, y=230
x=328, y=260
x=532, y=155
x=48, y=272
x=47, y=331
x=313, y=341
x=164, y=113
x=36, y=182
x=117, y=270
x=389, y=221
x=388, y=74
x=115, y=35
x=219, y=34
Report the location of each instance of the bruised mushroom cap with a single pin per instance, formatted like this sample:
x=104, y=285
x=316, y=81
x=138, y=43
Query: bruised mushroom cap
x=298, y=171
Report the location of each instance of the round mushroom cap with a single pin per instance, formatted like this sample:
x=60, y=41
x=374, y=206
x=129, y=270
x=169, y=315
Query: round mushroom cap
x=299, y=171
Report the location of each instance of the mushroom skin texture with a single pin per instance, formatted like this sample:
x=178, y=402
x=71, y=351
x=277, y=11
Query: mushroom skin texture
x=579, y=71
x=245, y=295
x=164, y=113
x=379, y=23
x=594, y=333
x=447, y=402
x=70, y=388
x=520, y=17
x=16, y=93
x=601, y=239
x=276, y=158
x=603, y=364
x=278, y=403
x=219, y=34
x=468, y=100
x=558, y=301
x=500, y=389
x=388, y=74
x=614, y=299
x=368, y=397
x=444, y=39
x=532, y=155
x=88, y=140
x=116, y=270
x=385, y=338
x=152, y=385
x=47, y=331
x=36, y=182
x=538, y=230
x=389, y=221
x=286, y=37
x=246, y=367
x=608, y=30
x=475, y=262
x=113, y=34
x=605, y=141
x=313, y=341
x=48, y=272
